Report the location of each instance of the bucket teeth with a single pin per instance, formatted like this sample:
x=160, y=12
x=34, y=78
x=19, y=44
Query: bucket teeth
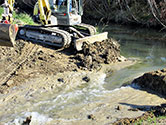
x=8, y=34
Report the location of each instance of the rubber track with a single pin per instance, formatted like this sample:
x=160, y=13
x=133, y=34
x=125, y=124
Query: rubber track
x=27, y=51
x=91, y=28
x=65, y=35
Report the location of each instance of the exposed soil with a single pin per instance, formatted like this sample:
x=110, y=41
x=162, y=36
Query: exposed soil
x=27, y=60
x=154, y=112
x=153, y=81
x=93, y=55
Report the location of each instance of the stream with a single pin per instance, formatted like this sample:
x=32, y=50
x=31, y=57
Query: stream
x=79, y=101
x=140, y=43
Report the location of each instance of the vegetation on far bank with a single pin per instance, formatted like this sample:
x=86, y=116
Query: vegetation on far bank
x=148, y=13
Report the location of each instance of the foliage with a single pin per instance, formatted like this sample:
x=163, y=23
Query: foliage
x=1, y=11
x=150, y=120
x=25, y=18
x=20, y=17
x=148, y=12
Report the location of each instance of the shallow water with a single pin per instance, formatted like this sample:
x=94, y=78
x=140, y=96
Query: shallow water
x=147, y=45
x=72, y=104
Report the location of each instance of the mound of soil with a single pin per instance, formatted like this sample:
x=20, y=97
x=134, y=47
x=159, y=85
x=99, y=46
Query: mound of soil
x=93, y=55
x=155, y=81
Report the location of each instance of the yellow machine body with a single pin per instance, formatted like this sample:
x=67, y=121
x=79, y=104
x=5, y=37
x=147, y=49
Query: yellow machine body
x=43, y=8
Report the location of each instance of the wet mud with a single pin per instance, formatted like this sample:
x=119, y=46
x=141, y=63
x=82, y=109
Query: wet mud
x=93, y=55
x=27, y=60
x=153, y=113
x=153, y=82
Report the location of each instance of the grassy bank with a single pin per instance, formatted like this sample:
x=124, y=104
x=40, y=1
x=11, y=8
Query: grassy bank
x=156, y=115
x=20, y=18
x=151, y=120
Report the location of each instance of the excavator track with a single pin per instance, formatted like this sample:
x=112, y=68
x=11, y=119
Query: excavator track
x=45, y=35
x=91, y=29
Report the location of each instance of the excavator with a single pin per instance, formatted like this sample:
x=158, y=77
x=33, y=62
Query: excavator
x=60, y=25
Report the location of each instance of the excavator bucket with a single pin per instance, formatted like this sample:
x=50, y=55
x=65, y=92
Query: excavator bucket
x=90, y=40
x=8, y=34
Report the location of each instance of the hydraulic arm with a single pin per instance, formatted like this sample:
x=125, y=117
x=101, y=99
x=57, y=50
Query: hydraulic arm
x=43, y=8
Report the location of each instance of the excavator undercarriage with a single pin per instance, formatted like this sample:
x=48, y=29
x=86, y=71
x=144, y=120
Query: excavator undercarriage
x=58, y=35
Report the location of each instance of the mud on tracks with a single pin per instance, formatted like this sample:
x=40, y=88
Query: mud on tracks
x=27, y=60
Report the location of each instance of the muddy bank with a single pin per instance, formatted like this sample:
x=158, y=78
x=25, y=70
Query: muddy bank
x=93, y=55
x=27, y=60
x=153, y=82
x=154, y=113
x=52, y=84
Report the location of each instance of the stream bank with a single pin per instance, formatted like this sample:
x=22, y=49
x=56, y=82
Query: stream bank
x=52, y=86
x=31, y=74
x=27, y=60
x=151, y=82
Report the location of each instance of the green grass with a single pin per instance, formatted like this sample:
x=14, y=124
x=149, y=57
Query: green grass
x=1, y=11
x=20, y=18
x=150, y=120
x=23, y=17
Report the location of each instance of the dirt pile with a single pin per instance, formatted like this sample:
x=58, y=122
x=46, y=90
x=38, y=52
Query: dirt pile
x=93, y=55
x=155, y=81
x=129, y=121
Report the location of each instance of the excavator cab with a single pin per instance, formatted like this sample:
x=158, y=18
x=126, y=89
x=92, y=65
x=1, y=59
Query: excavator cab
x=59, y=12
x=67, y=12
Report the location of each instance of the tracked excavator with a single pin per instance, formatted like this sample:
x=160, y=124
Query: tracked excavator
x=60, y=25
